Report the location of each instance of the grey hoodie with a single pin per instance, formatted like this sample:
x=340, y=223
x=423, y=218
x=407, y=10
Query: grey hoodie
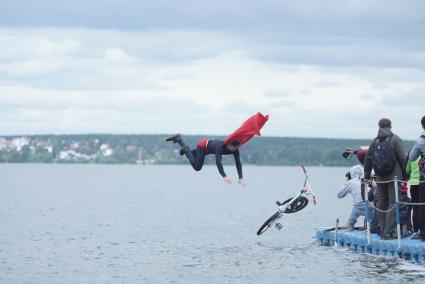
x=353, y=186
x=418, y=150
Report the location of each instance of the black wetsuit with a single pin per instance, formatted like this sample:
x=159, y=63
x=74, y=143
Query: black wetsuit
x=197, y=156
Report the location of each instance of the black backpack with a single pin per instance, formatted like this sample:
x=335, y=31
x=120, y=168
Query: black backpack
x=383, y=156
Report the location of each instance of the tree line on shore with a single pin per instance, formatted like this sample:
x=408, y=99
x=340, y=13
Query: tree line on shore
x=152, y=149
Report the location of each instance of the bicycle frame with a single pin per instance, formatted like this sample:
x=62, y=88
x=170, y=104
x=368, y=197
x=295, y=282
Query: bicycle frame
x=286, y=206
x=305, y=190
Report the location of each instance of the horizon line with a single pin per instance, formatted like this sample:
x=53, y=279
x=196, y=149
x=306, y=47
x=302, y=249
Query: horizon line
x=167, y=134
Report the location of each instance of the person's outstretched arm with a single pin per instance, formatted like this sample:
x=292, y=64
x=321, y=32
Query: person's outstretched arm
x=368, y=162
x=345, y=189
x=219, y=164
x=238, y=163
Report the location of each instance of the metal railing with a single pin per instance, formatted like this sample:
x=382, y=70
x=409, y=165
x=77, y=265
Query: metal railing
x=396, y=205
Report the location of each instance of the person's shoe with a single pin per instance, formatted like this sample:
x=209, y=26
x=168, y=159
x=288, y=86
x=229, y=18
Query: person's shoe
x=174, y=138
x=184, y=149
x=415, y=236
x=388, y=237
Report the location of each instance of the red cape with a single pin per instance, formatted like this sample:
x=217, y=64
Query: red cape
x=248, y=129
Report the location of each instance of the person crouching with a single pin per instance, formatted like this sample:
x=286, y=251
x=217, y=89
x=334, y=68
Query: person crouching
x=352, y=186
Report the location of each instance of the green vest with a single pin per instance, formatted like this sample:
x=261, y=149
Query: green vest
x=412, y=170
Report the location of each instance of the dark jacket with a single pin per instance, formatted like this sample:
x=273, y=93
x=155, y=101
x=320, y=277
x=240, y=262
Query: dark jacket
x=218, y=148
x=400, y=155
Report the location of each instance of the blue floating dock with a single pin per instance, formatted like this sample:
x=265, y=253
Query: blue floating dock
x=412, y=250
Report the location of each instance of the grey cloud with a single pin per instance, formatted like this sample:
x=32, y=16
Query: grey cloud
x=195, y=14
x=367, y=53
x=51, y=100
x=379, y=76
x=241, y=107
x=326, y=84
x=78, y=59
x=282, y=104
x=381, y=86
x=305, y=92
x=276, y=93
x=97, y=113
x=58, y=45
x=339, y=33
x=398, y=98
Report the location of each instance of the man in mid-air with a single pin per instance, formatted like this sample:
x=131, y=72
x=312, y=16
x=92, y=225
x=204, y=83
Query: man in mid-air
x=230, y=146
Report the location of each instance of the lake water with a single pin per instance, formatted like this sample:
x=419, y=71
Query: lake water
x=169, y=224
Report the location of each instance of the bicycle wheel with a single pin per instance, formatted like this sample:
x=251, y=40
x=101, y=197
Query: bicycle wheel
x=268, y=223
x=298, y=204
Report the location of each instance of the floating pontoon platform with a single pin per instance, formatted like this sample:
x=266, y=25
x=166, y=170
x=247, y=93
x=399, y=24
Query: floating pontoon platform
x=412, y=250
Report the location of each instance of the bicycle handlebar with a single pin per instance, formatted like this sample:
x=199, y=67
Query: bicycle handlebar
x=304, y=170
x=306, y=182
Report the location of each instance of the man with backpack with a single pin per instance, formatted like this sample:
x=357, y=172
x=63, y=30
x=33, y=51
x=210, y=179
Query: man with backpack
x=386, y=156
x=417, y=151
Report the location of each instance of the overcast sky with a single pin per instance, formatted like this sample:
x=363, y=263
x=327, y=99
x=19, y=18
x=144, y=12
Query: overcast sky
x=318, y=68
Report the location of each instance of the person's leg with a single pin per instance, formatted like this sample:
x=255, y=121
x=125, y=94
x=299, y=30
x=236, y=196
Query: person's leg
x=414, y=193
x=422, y=210
x=180, y=141
x=382, y=204
x=391, y=221
x=174, y=138
x=375, y=228
x=196, y=158
x=355, y=214
x=371, y=213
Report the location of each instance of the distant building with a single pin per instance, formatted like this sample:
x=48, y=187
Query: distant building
x=74, y=145
x=71, y=155
x=131, y=148
x=106, y=150
x=4, y=143
x=48, y=148
x=64, y=155
x=20, y=142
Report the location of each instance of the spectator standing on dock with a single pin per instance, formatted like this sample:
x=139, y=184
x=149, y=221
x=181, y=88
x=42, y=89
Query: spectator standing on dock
x=405, y=212
x=352, y=186
x=372, y=197
x=386, y=156
x=417, y=151
x=412, y=171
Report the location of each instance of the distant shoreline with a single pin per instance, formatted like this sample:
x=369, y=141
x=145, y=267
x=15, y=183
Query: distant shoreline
x=153, y=150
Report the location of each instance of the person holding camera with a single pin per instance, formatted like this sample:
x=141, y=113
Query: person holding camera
x=360, y=154
x=352, y=186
